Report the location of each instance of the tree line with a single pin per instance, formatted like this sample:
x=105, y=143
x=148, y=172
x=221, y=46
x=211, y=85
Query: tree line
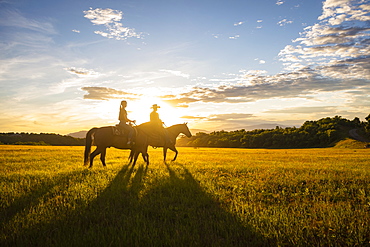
x=321, y=133
x=40, y=139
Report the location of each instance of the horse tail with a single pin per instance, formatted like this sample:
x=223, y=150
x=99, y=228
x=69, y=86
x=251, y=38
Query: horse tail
x=89, y=140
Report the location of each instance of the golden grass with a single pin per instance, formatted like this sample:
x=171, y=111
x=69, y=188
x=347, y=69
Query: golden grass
x=208, y=197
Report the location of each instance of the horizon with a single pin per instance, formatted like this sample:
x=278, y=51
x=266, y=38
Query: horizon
x=267, y=126
x=218, y=65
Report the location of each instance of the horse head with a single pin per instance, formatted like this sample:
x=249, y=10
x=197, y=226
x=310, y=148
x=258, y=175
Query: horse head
x=186, y=130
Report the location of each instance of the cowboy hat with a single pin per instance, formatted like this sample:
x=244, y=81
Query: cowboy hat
x=155, y=106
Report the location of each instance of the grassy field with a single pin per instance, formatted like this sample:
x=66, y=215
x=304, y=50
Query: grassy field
x=209, y=197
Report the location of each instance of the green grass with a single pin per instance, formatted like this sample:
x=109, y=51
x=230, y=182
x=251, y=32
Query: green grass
x=209, y=197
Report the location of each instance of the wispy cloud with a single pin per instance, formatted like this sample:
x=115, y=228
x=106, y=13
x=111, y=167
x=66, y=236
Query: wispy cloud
x=280, y=2
x=305, y=110
x=110, y=19
x=105, y=93
x=13, y=18
x=229, y=116
x=238, y=23
x=234, y=37
x=82, y=72
x=176, y=73
x=284, y=22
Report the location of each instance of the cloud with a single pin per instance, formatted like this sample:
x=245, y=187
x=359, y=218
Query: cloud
x=336, y=12
x=111, y=20
x=306, y=110
x=175, y=73
x=279, y=2
x=238, y=23
x=234, y=37
x=337, y=46
x=284, y=22
x=13, y=18
x=305, y=83
x=193, y=117
x=104, y=93
x=100, y=16
x=229, y=117
x=81, y=72
x=76, y=31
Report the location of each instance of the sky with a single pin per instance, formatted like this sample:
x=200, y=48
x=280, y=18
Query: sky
x=217, y=65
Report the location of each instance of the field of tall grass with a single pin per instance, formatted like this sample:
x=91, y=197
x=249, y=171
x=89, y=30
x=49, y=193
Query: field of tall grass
x=208, y=197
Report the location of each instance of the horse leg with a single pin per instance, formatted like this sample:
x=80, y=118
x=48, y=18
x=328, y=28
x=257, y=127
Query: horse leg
x=164, y=153
x=136, y=155
x=93, y=154
x=176, y=152
x=146, y=158
x=102, y=156
x=146, y=155
x=131, y=157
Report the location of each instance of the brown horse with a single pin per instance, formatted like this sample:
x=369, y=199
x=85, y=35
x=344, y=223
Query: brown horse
x=103, y=138
x=147, y=137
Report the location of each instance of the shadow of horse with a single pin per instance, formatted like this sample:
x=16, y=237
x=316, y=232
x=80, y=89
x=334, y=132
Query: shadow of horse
x=138, y=209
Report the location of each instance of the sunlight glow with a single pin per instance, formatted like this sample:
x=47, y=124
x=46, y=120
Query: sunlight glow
x=140, y=111
x=108, y=110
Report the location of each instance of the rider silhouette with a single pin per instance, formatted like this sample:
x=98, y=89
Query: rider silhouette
x=124, y=122
x=158, y=124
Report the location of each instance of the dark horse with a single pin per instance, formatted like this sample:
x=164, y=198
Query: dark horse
x=103, y=138
x=146, y=137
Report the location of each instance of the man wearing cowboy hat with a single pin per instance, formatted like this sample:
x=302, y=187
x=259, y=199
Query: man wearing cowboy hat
x=154, y=116
x=158, y=124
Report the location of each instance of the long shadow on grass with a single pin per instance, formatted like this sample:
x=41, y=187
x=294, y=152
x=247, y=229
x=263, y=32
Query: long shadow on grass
x=38, y=190
x=180, y=213
x=169, y=210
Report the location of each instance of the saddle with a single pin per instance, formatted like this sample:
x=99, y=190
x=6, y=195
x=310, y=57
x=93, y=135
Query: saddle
x=118, y=131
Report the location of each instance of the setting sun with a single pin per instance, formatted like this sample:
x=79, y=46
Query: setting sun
x=140, y=109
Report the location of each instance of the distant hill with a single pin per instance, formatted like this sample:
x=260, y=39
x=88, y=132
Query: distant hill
x=79, y=134
x=264, y=126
